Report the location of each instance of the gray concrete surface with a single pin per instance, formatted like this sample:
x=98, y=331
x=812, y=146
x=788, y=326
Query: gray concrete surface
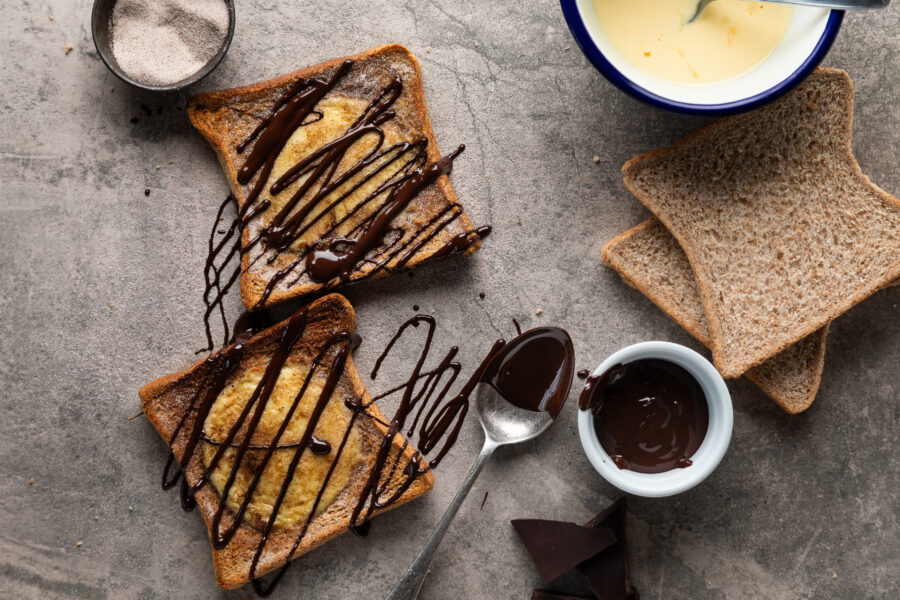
x=100, y=293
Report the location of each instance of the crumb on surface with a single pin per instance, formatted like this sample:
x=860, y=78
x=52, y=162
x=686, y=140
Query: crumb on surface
x=131, y=508
x=428, y=49
x=78, y=544
x=538, y=311
x=596, y=159
x=31, y=481
x=477, y=44
x=69, y=48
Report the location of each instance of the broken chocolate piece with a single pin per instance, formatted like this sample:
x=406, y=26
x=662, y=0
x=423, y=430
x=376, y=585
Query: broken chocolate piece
x=547, y=595
x=557, y=547
x=607, y=573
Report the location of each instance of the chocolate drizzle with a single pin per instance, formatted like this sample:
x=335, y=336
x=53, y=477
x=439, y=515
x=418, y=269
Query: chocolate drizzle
x=372, y=246
x=220, y=254
x=427, y=410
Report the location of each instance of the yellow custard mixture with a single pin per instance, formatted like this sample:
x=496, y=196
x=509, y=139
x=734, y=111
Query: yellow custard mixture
x=731, y=37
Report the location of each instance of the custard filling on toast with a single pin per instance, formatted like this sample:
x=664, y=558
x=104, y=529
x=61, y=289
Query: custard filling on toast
x=341, y=211
x=336, y=176
x=313, y=469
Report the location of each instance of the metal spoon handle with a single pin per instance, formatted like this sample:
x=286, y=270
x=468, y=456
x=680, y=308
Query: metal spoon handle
x=838, y=4
x=834, y=4
x=409, y=585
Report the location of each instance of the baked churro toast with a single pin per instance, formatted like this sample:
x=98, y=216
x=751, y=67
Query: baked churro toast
x=337, y=175
x=281, y=446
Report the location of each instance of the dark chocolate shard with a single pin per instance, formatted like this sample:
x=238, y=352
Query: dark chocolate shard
x=607, y=573
x=557, y=547
x=547, y=595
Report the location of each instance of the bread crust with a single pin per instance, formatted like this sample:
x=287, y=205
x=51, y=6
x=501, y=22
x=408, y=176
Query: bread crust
x=729, y=365
x=164, y=401
x=773, y=385
x=204, y=113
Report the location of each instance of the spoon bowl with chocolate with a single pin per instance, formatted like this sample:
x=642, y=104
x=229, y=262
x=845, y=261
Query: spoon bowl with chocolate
x=523, y=386
x=655, y=419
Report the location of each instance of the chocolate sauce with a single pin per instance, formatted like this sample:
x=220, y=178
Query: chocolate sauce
x=325, y=262
x=220, y=254
x=436, y=417
x=368, y=248
x=534, y=370
x=650, y=415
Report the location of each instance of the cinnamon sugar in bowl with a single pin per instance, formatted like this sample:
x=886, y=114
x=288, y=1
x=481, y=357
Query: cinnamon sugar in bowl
x=162, y=45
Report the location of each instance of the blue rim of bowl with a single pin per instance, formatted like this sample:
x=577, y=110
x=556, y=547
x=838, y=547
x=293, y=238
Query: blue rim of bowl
x=593, y=53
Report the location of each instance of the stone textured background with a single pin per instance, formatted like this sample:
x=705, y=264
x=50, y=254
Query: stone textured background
x=100, y=293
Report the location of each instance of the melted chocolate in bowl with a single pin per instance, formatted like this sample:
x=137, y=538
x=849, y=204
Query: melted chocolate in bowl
x=650, y=415
x=534, y=371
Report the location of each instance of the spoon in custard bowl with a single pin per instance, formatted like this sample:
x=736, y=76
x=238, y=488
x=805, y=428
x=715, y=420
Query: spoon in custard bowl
x=834, y=4
x=523, y=387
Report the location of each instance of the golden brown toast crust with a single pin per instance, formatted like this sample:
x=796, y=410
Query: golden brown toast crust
x=165, y=400
x=227, y=117
x=728, y=357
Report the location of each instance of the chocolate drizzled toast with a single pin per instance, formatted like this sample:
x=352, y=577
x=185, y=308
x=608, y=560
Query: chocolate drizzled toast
x=279, y=440
x=336, y=173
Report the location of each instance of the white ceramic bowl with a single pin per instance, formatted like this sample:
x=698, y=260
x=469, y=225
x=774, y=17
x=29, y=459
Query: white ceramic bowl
x=708, y=455
x=809, y=37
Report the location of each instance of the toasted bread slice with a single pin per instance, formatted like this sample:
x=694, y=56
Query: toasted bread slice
x=168, y=400
x=432, y=225
x=648, y=258
x=781, y=228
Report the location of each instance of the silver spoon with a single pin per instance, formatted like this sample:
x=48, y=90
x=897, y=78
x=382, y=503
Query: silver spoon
x=503, y=424
x=836, y=4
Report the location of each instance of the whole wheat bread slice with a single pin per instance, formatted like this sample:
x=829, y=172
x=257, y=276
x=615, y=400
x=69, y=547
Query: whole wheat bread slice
x=227, y=118
x=649, y=259
x=781, y=228
x=166, y=400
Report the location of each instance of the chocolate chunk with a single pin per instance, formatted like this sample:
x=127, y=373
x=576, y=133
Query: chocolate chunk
x=607, y=573
x=546, y=595
x=557, y=547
